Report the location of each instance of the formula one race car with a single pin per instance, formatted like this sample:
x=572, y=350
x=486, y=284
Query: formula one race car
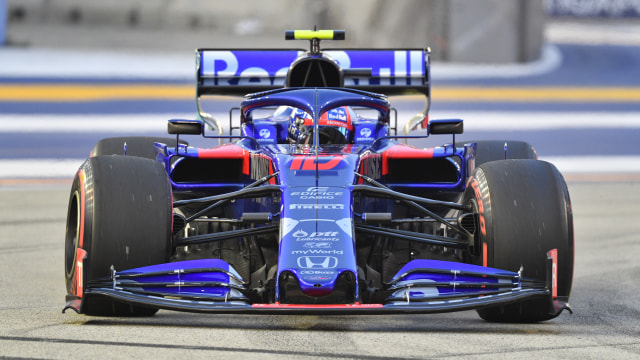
x=316, y=204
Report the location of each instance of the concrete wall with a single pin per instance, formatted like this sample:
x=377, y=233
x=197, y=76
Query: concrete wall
x=495, y=31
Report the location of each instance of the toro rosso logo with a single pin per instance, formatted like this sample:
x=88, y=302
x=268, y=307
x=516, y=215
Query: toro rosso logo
x=319, y=163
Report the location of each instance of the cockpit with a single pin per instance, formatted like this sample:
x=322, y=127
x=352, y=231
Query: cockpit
x=337, y=126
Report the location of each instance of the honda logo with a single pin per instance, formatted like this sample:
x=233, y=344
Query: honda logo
x=317, y=262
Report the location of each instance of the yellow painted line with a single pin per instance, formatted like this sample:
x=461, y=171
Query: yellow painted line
x=75, y=92
x=105, y=92
x=536, y=94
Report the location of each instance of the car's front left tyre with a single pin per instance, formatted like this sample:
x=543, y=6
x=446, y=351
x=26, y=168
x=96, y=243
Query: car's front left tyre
x=524, y=213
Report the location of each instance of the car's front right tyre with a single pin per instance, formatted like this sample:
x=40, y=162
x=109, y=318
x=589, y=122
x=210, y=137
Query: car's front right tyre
x=119, y=215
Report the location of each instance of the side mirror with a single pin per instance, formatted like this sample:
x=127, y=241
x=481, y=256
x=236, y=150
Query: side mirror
x=445, y=126
x=185, y=127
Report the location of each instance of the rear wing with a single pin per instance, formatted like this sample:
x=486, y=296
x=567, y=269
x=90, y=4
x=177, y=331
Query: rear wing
x=239, y=72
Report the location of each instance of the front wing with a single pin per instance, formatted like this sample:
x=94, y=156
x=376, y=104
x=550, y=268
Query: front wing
x=422, y=286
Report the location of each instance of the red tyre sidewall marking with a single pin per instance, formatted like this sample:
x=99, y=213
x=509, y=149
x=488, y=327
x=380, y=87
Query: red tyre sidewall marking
x=553, y=254
x=78, y=281
x=483, y=228
x=81, y=177
x=79, y=278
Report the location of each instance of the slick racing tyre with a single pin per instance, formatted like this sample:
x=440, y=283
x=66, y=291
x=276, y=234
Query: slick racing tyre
x=141, y=146
x=492, y=150
x=524, y=211
x=120, y=214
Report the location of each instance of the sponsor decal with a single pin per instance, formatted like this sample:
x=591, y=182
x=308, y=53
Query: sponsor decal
x=316, y=206
x=269, y=68
x=319, y=192
x=364, y=135
x=323, y=236
x=316, y=277
x=317, y=252
x=318, y=245
x=317, y=262
x=337, y=114
x=264, y=133
x=317, y=272
x=313, y=163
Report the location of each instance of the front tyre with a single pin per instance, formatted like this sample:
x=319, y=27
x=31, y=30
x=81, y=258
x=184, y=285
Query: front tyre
x=119, y=214
x=140, y=146
x=492, y=150
x=524, y=212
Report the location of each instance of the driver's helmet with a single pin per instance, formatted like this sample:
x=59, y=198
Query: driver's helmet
x=332, y=123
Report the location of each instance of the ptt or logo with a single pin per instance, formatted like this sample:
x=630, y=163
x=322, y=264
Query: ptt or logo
x=264, y=133
x=316, y=162
x=302, y=233
x=318, y=262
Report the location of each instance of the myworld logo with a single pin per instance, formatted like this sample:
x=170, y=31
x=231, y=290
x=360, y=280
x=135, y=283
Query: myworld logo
x=317, y=252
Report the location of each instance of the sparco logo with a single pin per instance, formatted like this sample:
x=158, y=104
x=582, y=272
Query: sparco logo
x=317, y=262
x=316, y=206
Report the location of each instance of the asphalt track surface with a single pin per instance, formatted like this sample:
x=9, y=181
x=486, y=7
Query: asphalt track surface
x=584, y=107
x=605, y=300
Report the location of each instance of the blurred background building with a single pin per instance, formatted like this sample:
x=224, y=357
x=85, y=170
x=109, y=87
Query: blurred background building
x=456, y=30
x=486, y=31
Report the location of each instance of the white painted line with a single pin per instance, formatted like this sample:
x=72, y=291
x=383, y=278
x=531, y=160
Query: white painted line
x=543, y=120
x=73, y=64
x=39, y=168
x=66, y=168
x=126, y=123
x=595, y=164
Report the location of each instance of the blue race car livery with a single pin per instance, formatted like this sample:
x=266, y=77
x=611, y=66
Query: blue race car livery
x=315, y=204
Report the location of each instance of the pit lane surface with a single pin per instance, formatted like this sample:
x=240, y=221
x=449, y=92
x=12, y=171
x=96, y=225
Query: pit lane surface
x=605, y=299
